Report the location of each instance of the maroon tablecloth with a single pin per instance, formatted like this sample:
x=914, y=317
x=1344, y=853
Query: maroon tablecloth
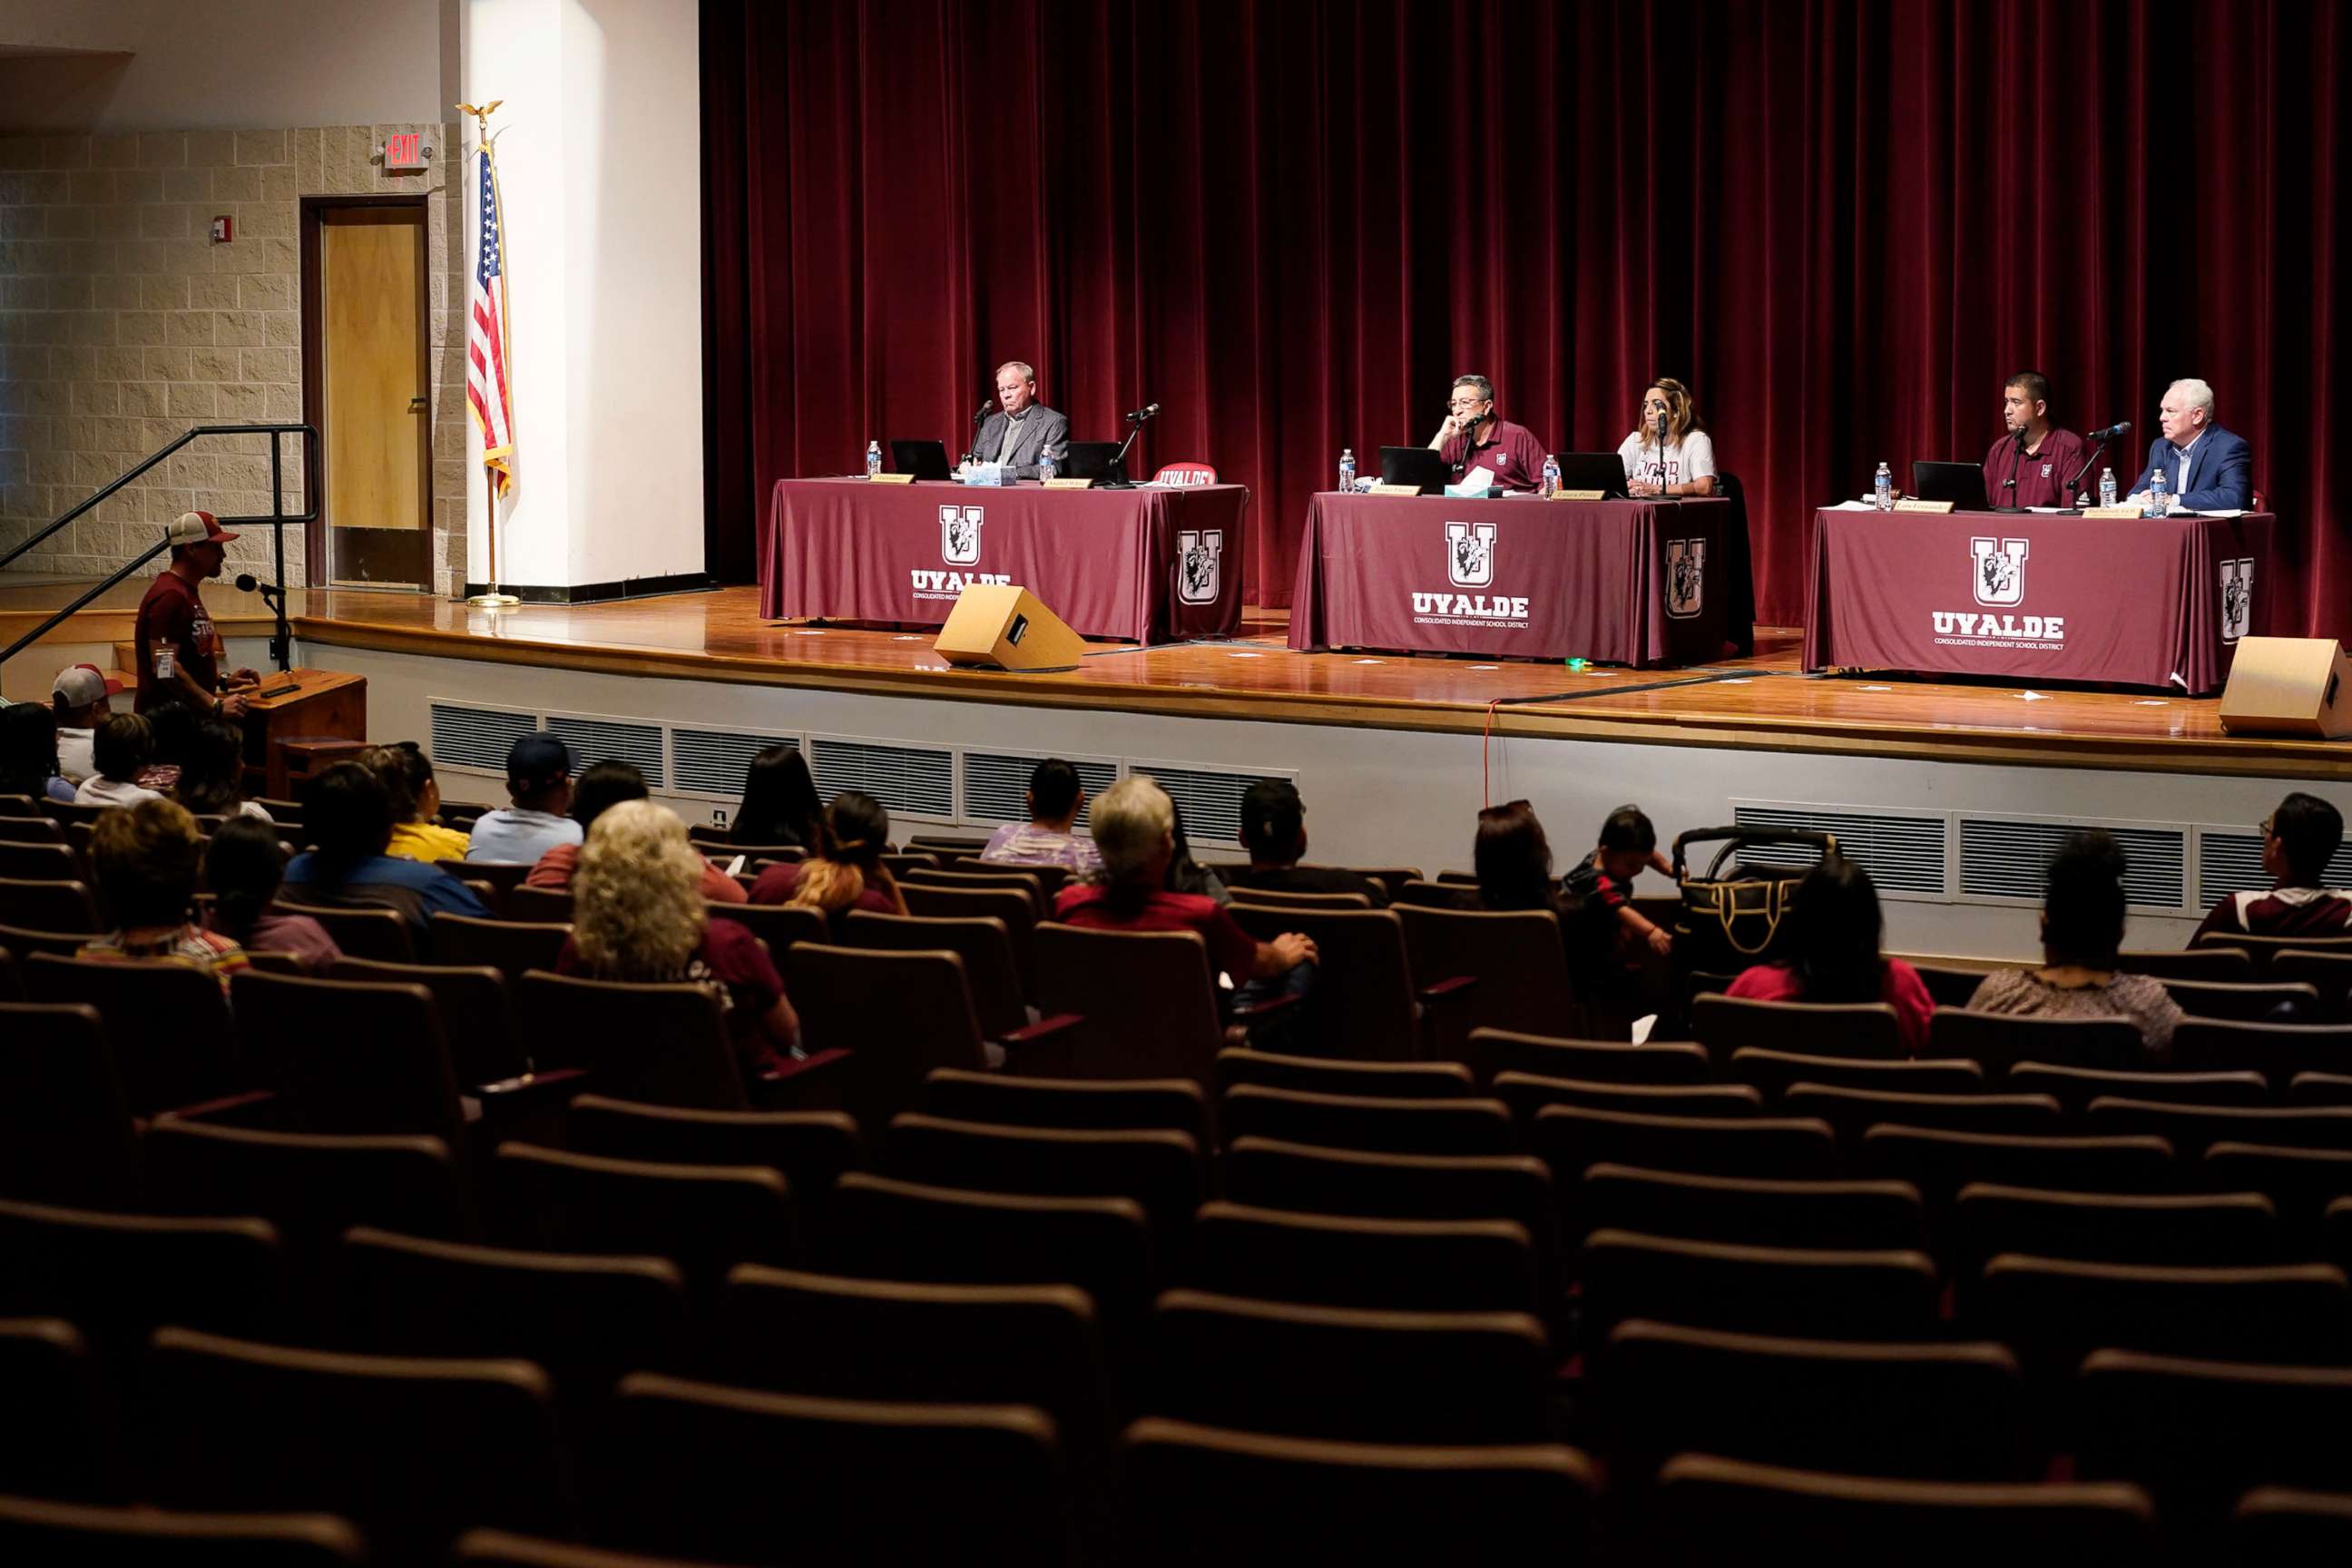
x=1151, y=566
x=2028, y=595
x=1618, y=581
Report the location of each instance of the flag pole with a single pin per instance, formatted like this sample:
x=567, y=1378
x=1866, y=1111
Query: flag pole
x=493, y=599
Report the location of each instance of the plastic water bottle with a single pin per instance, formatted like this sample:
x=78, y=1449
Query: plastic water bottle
x=2106, y=486
x=1044, y=464
x=1550, y=476
x=2159, y=497
x=1348, y=470
x=873, y=459
x=1881, y=489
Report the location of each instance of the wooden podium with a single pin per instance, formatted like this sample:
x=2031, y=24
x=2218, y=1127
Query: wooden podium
x=301, y=705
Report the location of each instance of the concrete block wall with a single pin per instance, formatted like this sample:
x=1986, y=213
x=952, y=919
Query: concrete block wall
x=121, y=324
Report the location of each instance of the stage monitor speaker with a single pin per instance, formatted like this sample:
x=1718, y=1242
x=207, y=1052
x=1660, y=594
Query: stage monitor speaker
x=2289, y=686
x=1004, y=628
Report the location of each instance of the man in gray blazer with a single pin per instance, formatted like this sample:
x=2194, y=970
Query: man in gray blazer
x=1022, y=430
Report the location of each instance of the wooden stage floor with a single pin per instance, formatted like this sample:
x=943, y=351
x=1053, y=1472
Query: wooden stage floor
x=1764, y=701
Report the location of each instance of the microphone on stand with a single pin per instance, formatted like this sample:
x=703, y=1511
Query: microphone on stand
x=1658, y=468
x=2122, y=428
x=980, y=416
x=2098, y=439
x=2009, y=485
x=1149, y=411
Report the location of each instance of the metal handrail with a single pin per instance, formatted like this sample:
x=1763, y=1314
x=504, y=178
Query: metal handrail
x=277, y=522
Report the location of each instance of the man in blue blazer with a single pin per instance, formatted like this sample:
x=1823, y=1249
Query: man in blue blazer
x=2208, y=468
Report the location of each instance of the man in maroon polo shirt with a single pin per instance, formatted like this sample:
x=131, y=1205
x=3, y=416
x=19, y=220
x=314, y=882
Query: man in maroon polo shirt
x=2038, y=455
x=172, y=617
x=1475, y=436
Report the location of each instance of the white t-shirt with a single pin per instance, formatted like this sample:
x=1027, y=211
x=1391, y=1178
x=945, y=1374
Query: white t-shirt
x=1692, y=457
x=74, y=763
x=111, y=792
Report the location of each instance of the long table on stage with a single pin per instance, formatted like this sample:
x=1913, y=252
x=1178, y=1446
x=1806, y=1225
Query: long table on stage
x=2157, y=601
x=1624, y=582
x=1148, y=565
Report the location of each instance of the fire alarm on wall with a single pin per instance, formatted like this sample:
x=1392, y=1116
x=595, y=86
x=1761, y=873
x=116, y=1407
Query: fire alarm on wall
x=223, y=229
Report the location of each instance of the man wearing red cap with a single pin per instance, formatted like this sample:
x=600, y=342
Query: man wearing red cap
x=177, y=646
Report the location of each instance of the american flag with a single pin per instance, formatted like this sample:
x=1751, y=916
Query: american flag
x=485, y=339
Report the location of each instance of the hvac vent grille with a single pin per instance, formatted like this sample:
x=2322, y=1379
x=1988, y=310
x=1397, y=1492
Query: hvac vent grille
x=1902, y=853
x=919, y=780
x=467, y=737
x=715, y=762
x=995, y=781
x=1211, y=800
x=594, y=740
x=2230, y=863
x=2001, y=858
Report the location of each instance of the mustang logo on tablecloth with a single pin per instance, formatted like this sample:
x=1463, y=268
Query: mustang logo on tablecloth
x=1686, y=577
x=1200, y=557
x=2237, y=598
x=1470, y=554
x=1999, y=570
x=960, y=534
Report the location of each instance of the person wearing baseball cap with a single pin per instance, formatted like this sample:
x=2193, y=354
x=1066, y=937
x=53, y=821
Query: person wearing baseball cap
x=178, y=647
x=538, y=783
x=78, y=697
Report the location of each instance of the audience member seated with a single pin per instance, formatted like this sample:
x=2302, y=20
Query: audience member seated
x=171, y=727
x=1186, y=875
x=538, y=783
x=1056, y=797
x=1135, y=828
x=146, y=859
x=1834, y=928
x=243, y=866
x=212, y=773
x=599, y=789
x=1273, y=828
x=407, y=775
x=78, y=697
x=29, y=753
x=119, y=755
x=639, y=914
x=845, y=872
x=2298, y=841
x=348, y=816
x=1601, y=888
x=2082, y=931
x=781, y=809
x=1512, y=860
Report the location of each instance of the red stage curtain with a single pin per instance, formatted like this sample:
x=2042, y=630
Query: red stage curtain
x=1292, y=221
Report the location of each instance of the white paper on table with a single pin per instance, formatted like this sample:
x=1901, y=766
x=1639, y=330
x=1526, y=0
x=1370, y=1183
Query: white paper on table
x=1853, y=505
x=2049, y=510
x=1474, y=483
x=2211, y=512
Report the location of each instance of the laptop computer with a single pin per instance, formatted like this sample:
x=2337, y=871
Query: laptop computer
x=1602, y=471
x=1095, y=460
x=1416, y=466
x=1963, y=484
x=924, y=460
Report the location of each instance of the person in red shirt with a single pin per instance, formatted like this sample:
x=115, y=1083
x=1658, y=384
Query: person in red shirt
x=600, y=788
x=1834, y=928
x=846, y=873
x=1475, y=436
x=173, y=617
x=1135, y=828
x=2298, y=840
x=2032, y=462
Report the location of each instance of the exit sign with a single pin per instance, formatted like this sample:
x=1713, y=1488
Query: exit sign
x=407, y=153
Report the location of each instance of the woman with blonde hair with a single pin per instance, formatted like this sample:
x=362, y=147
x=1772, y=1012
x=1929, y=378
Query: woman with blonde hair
x=639, y=914
x=1669, y=452
x=846, y=873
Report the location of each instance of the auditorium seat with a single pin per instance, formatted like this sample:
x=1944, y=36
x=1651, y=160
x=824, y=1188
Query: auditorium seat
x=811, y=1149
x=2225, y=965
x=732, y=1475
x=67, y=813
x=411, y=1451
x=1348, y=1374
x=2075, y=1088
x=2193, y=1128
x=2319, y=1089
x=512, y=947
x=1516, y=958
x=1169, y=1105
x=1493, y=1051
x=1996, y=1041
x=59, y=1439
x=1160, y=1171
x=1013, y=905
x=1527, y=1093
x=1825, y=1293
x=1570, y=1139
x=348, y=1056
x=28, y=828
x=660, y=1045
x=1446, y=891
x=1718, y=1510
x=2217, y=1230
x=1264, y=1173
x=781, y=926
x=2300, y=1183
x=1949, y=987
x=58, y=904
x=1148, y=1001
x=1939, y=1164
x=504, y=1549
x=540, y=906
x=2279, y=1051
x=1933, y=1412
x=703, y=1218
x=26, y=940
x=1246, y=896
x=503, y=876
x=1774, y=1072
x=379, y=933
x=990, y=970
x=1380, y=1124
x=1364, y=1079
x=1040, y=882
x=76, y=1535
x=1725, y=1025
x=2269, y=1002
x=1198, y=1494
x=2329, y=974
x=66, y=1133
x=2276, y=1524
x=167, y=1024
x=1367, y=1005
x=896, y=1015
x=1326, y=1261
x=1852, y=1111
x=49, y=862
x=311, y=1187
x=1883, y=1217
x=471, y=1002
x=586, y=1321
x=2261, y=950
x=118, y=1277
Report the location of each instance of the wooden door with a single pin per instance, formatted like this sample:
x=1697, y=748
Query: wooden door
x=375, y=408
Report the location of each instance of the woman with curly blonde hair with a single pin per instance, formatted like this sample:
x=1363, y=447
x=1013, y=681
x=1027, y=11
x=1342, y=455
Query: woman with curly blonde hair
x=639, y=914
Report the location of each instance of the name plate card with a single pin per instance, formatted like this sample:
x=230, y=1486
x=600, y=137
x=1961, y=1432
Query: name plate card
x=1059, y=483
x=891, y=478
x=1395, y=490
x=2111, y=511
x=1580, y=495
x=1914, y=504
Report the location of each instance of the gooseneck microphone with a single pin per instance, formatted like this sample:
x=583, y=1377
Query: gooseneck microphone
x=2120, y=428
x=1149, y=411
